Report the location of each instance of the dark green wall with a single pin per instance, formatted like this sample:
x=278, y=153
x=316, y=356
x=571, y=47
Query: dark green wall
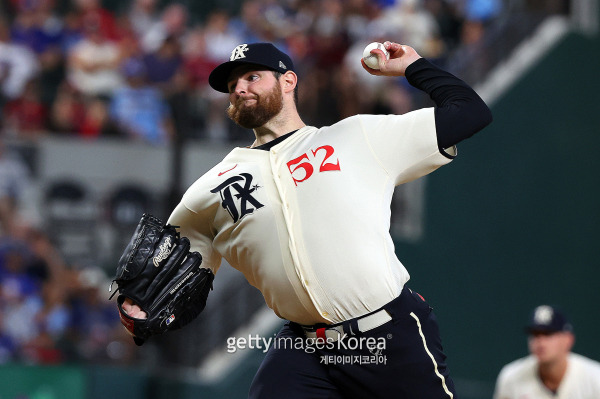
x=18, y=381
x=514, y=220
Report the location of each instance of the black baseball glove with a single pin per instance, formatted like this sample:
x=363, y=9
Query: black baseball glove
x=158, y=272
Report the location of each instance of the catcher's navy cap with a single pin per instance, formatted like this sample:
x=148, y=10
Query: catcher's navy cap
x=548, y=319
x=262, y=54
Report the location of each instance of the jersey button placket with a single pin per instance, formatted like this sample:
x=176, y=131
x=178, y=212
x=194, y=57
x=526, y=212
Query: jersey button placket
x=282, y=189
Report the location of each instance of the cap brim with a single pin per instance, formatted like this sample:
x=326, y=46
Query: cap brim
x=540, y=329
x=219, y=77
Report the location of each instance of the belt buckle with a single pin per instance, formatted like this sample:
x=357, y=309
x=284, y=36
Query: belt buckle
x=332, y=334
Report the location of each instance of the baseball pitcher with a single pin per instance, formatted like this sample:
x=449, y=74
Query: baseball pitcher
x=304, y=213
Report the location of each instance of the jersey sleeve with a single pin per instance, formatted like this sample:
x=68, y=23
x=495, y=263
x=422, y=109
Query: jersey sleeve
x=459, y=112
x=502, y=389
x=197, y=228
x=405, y=145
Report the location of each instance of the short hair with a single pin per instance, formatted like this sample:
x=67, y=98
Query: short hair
x=278, y=75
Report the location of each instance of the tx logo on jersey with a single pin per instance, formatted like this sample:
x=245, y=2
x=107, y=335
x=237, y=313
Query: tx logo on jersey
x=236, y=196
x=238, y=52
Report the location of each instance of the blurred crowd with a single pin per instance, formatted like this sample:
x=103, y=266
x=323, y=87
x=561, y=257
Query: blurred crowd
x=50, y=311
x=138, y=71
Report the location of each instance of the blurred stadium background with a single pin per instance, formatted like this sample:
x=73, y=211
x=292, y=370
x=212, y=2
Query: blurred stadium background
x=106, y=114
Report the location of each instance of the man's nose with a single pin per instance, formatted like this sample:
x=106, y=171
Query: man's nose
x=239, y=87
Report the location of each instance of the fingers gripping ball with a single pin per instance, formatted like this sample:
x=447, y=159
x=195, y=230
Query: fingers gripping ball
x=371, y=59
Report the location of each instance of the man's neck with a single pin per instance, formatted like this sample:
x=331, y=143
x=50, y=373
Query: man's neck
x=278, y=126
x=552, y=374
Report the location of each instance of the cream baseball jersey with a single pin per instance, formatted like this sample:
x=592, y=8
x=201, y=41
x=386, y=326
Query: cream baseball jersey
x=520, y=380
x=307, y=222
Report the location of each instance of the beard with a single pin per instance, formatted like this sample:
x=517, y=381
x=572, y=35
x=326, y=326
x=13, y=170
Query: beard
x=259, y=113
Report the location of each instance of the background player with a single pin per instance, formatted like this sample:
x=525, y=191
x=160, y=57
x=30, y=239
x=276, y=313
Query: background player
x=551, y=370
x=304, y=214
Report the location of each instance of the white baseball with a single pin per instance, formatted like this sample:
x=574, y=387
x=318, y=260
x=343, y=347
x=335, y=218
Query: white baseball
x=371, y=59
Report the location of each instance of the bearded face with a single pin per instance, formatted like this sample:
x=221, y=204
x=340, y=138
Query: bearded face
x=258, y=112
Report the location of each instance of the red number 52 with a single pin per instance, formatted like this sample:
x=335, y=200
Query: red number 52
x=297, y=164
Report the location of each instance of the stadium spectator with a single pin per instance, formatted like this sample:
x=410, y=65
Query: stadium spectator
x=409, y=20
x=172, y=23
x=94, y=323
x=139, y=109
x=96, y=120
x=51, y=322
x=26, y=114
x=449, y=22
x=219, y=36
x=142, y=15
x=15, y=181
x=66, y=112
x=93, y=63
x=104, y=20
x=163, y=64
x=20, y=296
x=35, y=26
x=197, y=61
x=72, y=32
x=38, y=27
x=18, y=65
x=249, y=24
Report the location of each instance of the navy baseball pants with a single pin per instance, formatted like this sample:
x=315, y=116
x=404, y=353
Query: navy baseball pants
x=402, y=359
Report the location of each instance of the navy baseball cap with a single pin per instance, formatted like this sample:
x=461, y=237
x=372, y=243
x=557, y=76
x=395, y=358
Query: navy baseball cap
x=548, y=319
x=261, y=54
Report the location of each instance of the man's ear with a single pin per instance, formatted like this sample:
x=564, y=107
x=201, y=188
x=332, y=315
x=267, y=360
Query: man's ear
x=570, y=340
x=290, y=80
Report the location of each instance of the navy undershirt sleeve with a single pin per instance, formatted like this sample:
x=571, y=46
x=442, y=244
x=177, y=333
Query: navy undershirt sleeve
x=459, y=112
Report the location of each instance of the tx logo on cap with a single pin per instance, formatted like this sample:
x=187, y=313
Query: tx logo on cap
x=238, y=52
x=543, y=315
